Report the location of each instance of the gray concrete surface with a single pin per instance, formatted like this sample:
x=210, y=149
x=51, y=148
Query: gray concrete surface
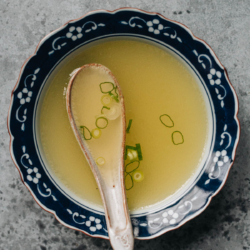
x=224, y=24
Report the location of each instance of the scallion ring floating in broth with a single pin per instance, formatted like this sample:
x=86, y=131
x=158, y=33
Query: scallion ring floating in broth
x=177, y=138
x=132, y=166
x=138, y=175
x=131, y=180
x=166, y=121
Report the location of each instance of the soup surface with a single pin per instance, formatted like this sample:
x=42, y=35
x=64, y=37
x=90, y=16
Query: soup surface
x=169, y=123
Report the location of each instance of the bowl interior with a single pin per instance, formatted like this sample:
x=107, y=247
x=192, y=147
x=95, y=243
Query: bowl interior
x=210, y=136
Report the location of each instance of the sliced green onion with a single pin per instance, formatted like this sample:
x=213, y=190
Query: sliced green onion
x=126, y=150
x=96, y=133
x=129, y=152
x=129, y=125
x=103, y=108
x=114, y=111
x=106, y=100
x=101, y=122
x=106, y=87
x=177, y=138
x=85, y=131
x=129, y=180
x=116, y=94
x=168, y=122
x=132, y=166
x=138, y=175
x=138, y=149
x=116, y=91
x=132, y=155
x=115, y=97
x=100, y=161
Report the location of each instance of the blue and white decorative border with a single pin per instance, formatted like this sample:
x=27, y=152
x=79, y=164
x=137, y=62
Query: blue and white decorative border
x=93, y=26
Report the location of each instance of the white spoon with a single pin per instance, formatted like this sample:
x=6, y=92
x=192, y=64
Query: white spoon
x=113, y=190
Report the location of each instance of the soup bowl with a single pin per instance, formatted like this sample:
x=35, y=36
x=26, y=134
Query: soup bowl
x=65, y=42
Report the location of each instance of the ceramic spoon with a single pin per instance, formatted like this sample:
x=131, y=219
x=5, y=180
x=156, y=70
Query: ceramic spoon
x=112, y=194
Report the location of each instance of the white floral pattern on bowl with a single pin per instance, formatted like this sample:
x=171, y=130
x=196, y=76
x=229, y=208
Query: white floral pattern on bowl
x=74, y=33
x=93, y=224
x=33, y=175
x=24, y=96
x=155, y=26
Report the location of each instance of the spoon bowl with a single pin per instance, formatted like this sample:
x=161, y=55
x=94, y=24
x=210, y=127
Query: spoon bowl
x=110, y=178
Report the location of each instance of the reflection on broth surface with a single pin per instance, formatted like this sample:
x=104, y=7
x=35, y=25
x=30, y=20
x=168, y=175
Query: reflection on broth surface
x=166, y=117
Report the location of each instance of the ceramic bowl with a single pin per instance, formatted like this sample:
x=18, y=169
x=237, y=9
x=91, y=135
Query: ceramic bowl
x=154, y=28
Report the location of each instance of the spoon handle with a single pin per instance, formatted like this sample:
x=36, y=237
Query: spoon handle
x=117, y=216
x=111, y=184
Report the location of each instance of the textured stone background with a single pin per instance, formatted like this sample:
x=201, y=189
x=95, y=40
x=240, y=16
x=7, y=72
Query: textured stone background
x=224, y=25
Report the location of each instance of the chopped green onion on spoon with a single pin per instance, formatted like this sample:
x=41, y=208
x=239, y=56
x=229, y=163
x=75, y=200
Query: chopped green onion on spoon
x=106, y=87
x=101, y=122
x=103, y=108
x=96, y=133
x=106, y=100
x=113, y=112
x=86, y=133
x=100, y=161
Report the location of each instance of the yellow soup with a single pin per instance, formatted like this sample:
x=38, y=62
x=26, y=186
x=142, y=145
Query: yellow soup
x=169, y=123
